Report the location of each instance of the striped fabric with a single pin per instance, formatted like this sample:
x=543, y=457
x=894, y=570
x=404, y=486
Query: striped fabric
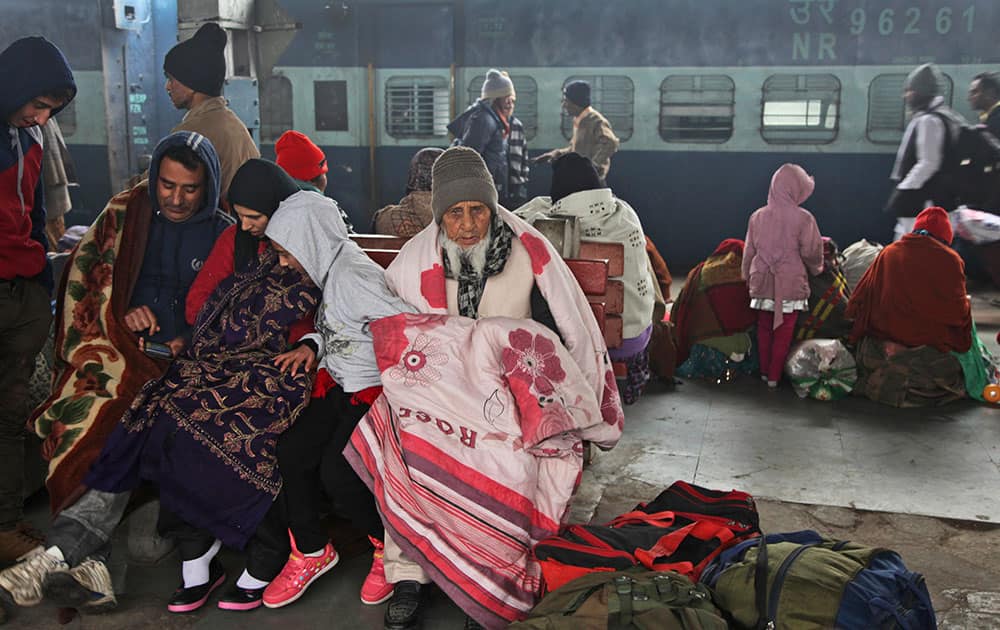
x=517, y=150
x=474, y=451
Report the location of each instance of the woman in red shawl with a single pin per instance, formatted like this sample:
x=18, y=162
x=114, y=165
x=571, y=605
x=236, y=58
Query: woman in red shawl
x=910, y=312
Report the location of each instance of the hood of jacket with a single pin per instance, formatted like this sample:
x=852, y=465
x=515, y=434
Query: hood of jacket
x=206, y=152
x=790, y=186
x=30, y=67
x=309, y=226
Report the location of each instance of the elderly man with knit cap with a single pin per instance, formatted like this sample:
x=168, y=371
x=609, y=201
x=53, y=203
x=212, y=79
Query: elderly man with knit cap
x=477, y=261
x=913, y=321
x=592, y=134
x=920, y=158
x=485, y=127
x=196, y=70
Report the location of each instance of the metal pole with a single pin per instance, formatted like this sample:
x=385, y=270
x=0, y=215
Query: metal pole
x=371, y=135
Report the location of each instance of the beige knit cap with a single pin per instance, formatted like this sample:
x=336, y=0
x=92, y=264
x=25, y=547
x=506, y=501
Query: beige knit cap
x=460, y=175
x=497, y=85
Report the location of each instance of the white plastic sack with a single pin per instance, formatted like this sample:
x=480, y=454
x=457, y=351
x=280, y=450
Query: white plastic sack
x=821, y=368
x=976, y=226
x=858, y=257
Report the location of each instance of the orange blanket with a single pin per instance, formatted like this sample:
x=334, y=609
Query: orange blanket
x=914, y=294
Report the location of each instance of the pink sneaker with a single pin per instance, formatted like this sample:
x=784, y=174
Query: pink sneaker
x=376, y=590
x=300, y=571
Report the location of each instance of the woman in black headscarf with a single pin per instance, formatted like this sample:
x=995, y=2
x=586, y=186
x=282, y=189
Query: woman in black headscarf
x=258, y=187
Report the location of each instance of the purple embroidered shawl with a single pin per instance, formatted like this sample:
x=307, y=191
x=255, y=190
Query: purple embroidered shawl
x=206, y=431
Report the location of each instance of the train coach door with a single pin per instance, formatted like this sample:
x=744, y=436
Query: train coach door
x=410, y=56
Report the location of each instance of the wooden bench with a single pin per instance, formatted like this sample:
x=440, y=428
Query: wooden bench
x=598, y=270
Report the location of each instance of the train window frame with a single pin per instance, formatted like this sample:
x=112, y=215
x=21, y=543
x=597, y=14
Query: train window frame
x=600, y=102
x=526, y=108
x=698, y=86
x=440, y=106
x=277, y=107
x=330, y=107
x=814, y=102
x=887, y=102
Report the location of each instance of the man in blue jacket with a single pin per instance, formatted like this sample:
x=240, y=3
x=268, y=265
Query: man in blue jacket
x=146, y=247
x=37, y=83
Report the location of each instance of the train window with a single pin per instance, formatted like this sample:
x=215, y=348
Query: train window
x=275, y=108
x=886, y=110
x=613, y=96
x=800, y=108
x=697, y=108
x=417, y=107
x=330, y=105
x=527, y=100
x=67, y=119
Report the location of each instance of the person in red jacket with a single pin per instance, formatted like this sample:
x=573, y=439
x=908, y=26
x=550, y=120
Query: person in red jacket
x=37, y=83
x=258, y=187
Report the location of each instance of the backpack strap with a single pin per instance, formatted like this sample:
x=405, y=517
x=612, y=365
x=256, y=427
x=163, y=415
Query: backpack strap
x=764, y=622
x=638, y=517
x=623, y=587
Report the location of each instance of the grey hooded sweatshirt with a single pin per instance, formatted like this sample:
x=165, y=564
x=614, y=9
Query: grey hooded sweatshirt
x=309, y=226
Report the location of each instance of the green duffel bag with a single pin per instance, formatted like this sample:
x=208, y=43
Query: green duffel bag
x=620, y=600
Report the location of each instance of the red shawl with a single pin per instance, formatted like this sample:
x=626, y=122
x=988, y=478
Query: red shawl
x=714, y=301
x=914, y=294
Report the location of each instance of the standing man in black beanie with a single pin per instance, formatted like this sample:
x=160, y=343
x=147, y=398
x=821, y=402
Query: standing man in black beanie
x=196, y=70
x=592, y=134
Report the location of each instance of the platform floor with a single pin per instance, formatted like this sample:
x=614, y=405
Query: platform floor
x=924, y=482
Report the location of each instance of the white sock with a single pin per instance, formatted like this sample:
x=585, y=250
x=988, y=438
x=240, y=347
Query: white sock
x=196, y=572
x=56, y=552
x=248, y=581
x=315, y=554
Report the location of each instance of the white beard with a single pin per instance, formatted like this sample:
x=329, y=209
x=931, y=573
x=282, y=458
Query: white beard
x=475, y=255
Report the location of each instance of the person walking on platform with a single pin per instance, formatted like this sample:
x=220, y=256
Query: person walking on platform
x=783, y=244
x=37, y=83
x=485, y=127
x=920, y=158
x=984, y=96
x=592, y=134
x=196, y=71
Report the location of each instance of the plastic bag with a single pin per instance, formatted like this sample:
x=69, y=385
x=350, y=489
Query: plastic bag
x=821, y=368
x=858, y=257
x=976, y=226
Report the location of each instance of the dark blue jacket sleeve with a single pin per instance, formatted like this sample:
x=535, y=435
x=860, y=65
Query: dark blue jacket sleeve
x=38, y=233
x=478, y=132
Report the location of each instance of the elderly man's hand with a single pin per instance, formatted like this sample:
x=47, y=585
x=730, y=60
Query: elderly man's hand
x=141, y=318
x=543, y=158
x=301, y=357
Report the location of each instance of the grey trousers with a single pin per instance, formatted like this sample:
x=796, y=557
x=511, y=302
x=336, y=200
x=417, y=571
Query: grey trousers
x=85, y=528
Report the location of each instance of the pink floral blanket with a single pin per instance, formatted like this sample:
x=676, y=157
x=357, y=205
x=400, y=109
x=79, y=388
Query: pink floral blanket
x=474, y=451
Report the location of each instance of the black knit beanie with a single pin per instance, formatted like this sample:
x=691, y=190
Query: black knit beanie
x=200, y=62
x=261, y=186
x=578, y=92
x=572, y=173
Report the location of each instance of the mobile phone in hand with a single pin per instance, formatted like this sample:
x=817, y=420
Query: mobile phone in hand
x=157, y=350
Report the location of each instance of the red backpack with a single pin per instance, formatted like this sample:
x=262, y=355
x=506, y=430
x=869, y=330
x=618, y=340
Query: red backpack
x=681, y=530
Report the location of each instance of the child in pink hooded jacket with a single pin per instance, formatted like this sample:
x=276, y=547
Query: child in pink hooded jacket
x=783, y=246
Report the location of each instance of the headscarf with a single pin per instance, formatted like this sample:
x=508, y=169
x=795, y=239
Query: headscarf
x=471, y=284
x=421, y=164
x=260, y=185
x=573, y=173
x=729, y=246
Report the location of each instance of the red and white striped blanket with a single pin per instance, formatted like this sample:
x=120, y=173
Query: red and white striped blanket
x=474, y=451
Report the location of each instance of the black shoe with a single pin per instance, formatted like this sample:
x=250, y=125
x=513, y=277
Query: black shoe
x=403, y=610
x=237, y=598
x=472, y=624
x=190, y=599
